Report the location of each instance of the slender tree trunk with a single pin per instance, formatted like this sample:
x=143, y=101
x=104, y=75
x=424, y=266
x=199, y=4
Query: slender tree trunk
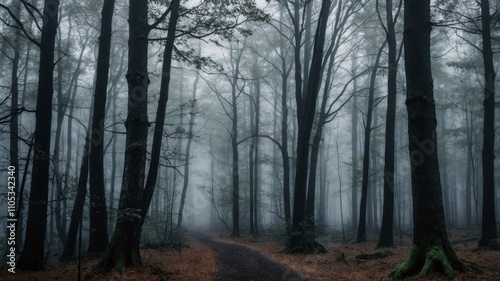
x=251, y=166
x=322, y=204
x=192, y=117
x=14, y=122
x=354, y=147
x=160, y=112
x=489, y=224
x=431, y=250
x=308, y=41
x=468, y=181
x=366, y=153
x=112, y=184
x=301, y=238
x=98, y=235
x=284, y=130
x=256, y=161
x=77, y=213
x=386, y=233
x=56, y=177
x=234, y=146
x=113, y=172
x=32, y=256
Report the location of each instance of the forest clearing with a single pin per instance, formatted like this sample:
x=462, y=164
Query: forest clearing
x=199, y=261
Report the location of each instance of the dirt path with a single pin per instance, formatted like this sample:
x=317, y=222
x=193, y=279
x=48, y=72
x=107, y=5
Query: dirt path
x=238, y=263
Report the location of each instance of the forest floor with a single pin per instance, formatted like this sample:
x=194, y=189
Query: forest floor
x=211, y=256
x=341, y=262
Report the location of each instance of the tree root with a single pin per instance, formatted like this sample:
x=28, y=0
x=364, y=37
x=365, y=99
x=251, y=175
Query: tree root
x=433, y=260
x=307, y=248
x=493, y=244
x=378, y=255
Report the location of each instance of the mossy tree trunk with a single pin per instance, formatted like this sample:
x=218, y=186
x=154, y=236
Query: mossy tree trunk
x=431, y=250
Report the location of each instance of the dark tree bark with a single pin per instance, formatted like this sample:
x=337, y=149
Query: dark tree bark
x=185, y=184
x=57, y=183
x=284, y=129
x=112, y=184
x=468, y=180
x=354, y=149
x=234, y=145
x=366, y=153
x=14, y=122
x=32, y=256
x=123, y=249
x=489, y=225
x=73, y=88
x=256, y=160
x=302, y=239
x=160, y=112
x=386, y=232
x=98, y=235
x=431, y=250
x=77, y=213
x=251, y=165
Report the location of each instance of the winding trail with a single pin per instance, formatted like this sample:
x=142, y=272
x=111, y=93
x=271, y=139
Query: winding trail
x=238, y=263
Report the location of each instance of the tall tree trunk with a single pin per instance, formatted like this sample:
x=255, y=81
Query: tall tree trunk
x=366, y=153
x=444, y=172
x=98, y=235
x=386, y=233
x=234, y=145
x=316, y=142
x=56, y=177
x=308, y=41
x=489, y=224
x=32, y=256
x=468, y=180
x=251, y=166
x=77, y=213
x=284, y=129
x=192, y=117
x=431, y=250
x=123, y=249
x=354, y=147
x=160, y=112
x=112, y=184
x=256, y=161
x=14, y=122
x=301, y=238
x=323, y=192
x=111, y=202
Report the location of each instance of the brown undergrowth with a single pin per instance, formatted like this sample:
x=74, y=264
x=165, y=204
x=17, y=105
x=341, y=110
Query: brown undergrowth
x=340, y=263
x=197, y=262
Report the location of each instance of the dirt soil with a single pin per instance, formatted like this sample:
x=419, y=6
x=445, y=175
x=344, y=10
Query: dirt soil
x=208, y=256
x=235, y=262
x=341, y=262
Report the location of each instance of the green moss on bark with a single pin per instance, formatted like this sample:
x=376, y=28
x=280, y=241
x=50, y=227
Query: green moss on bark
x=436, y=260
x=121, y=252
x=433, y=260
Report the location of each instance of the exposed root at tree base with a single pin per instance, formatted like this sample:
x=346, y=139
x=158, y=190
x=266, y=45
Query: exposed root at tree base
x=116, y=258
x=493, y=244
x=433, y=260
x=307, y=248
